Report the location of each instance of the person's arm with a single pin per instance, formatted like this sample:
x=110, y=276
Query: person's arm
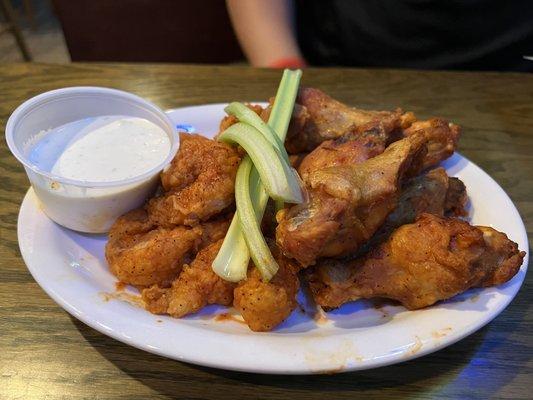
x=265, y=31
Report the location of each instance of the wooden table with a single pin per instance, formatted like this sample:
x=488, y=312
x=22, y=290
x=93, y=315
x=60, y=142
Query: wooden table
x=45, y=353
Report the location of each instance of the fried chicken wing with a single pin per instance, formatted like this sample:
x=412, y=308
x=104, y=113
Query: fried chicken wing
x=433, y=192
x=442, y=138
x=421, y=263
x=319, y=117
x=196, y=287
x=199, y=182
x=456, y=198
x=264, y=305
x=347, y=204
x=214, y=229
x=140, y=253
x=352, y=148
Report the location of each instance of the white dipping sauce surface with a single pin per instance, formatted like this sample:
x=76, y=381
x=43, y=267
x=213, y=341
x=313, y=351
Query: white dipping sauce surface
x=104, y=153
x=102, y=149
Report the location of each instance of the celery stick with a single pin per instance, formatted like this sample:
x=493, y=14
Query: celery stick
x=251, y=223
x=281, y=113
x=244, y=114
x=232, y=260
x=276, y=174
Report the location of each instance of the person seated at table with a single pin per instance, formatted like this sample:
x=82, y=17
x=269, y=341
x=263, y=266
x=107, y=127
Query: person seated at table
x=423, y=34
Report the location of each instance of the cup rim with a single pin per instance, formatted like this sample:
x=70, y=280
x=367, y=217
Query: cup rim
x=44, y=97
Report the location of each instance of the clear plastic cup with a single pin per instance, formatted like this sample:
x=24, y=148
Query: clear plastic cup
x=90, y=207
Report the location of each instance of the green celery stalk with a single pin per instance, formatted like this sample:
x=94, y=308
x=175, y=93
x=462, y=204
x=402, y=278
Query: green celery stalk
x=284, y=101
x=233, y=257
x=276, y=175
x=281, y=113
x=251, y=223
x=232, y=260
x=244, y=114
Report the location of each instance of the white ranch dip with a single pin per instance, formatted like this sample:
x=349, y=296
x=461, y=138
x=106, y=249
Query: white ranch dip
x=103, y=149
x=103, y=152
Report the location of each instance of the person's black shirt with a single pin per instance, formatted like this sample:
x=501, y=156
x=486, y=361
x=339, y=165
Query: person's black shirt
x=428, y=34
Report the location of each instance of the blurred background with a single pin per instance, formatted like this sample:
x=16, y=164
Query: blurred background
x=121, y=30
x=421, y=34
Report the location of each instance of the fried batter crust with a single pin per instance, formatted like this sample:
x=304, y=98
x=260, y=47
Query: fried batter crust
x=196, y=287
x=199, y=183
x=264, y=305
x=421, y=263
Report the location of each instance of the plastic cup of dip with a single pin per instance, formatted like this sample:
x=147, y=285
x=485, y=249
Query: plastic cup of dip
x=81, y=205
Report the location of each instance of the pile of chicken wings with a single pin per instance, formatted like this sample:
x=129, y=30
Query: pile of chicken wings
x=381, y=219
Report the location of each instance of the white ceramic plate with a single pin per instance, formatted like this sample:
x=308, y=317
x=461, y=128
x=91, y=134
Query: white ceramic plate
x=71, y=268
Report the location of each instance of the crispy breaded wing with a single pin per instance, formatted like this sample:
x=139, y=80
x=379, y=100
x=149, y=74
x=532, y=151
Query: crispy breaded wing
x=352, y=148
x=347, y=204
x=319, y=117
x=139, y=253
x=421, y=263
x=433, y=192
x=142, y=254
x=214, y=229
x=442, y=138
x=199, y=182
x=196, y=287
x=264, y=305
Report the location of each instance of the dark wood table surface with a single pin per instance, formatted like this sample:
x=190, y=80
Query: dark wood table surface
x=47, y=354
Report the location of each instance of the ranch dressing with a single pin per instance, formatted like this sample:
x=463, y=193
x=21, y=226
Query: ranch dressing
x=103, y=152
x=103, y=149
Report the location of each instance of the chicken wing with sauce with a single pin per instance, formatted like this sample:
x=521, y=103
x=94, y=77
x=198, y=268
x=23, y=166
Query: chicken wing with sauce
x=196, y=287
x=355, y=147
x=198, y=184
x=348, y=203
x=442, y=138
x=318, y=117
x=421, y=263
x=433, y=192
x=141, y=253
x=264, y=305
